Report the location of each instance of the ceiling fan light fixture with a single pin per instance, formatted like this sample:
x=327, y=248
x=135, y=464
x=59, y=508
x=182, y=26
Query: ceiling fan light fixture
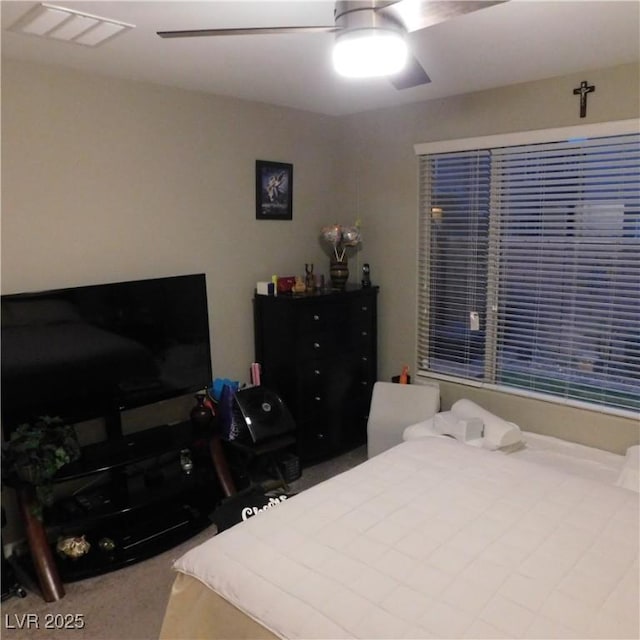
x=369, y=53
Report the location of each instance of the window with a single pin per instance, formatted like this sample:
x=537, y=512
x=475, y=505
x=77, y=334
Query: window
x=529, y=266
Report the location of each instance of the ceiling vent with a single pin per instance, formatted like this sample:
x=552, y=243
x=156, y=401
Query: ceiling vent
x=68, y=25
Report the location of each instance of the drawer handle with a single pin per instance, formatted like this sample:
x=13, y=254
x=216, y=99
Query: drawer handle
x=365, y=359
x=318, y=398
x=316, y=372
x=316, y=316
x=316, y=345
x=365, y=308
x=364, y=383
x=365, y=333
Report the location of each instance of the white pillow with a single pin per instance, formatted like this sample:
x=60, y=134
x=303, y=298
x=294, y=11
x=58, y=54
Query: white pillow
x=498, y=433
x=419, y=430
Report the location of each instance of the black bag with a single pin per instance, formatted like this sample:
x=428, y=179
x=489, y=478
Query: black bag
x=244, y=505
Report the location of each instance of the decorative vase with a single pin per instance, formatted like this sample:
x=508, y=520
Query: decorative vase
x=310, y=280
x=201, y=415
x=339, y=273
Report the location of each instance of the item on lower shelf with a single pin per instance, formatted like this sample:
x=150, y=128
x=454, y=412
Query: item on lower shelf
x=73, y=547
x=106, y=544
x=289, y=465
x=123, y=542
x=186, y=463
x=93, y=500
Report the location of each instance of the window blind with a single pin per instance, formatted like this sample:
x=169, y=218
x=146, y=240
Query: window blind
x=529, y=270
x=454, y=235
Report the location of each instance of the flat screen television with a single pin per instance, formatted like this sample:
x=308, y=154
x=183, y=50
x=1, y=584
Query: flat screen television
x=93, y=351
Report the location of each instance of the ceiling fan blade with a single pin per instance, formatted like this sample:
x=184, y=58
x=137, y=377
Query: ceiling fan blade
x=420, y=15
x=251, y=31
x=411, y=76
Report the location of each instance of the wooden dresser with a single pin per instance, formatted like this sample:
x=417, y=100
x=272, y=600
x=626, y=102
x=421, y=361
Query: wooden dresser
x=319, y=353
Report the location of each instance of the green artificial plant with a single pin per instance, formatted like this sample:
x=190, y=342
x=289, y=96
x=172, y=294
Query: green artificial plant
x=36, y=451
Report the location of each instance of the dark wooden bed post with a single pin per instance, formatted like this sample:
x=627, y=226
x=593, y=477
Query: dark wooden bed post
x=222, y=467
x=43, y=560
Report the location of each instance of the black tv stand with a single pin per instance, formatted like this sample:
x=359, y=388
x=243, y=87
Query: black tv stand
x=137, y=497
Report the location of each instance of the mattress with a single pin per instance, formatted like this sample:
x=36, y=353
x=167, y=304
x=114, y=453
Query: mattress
x=194, y=611
x=434, y=539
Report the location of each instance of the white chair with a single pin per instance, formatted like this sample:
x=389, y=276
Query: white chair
x=393, y=408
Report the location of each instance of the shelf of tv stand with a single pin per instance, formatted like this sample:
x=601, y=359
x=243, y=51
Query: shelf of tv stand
x=126, y=450
x=136, y=539
x=133, y=494
x=142, y=516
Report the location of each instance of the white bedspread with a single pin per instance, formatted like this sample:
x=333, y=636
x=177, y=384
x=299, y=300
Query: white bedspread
x=436, y=539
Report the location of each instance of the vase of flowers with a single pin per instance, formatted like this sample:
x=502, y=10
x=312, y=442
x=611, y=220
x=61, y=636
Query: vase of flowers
x=340, y=239
x=339, y=272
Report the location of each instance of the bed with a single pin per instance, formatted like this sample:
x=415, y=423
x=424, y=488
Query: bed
x=430, y=539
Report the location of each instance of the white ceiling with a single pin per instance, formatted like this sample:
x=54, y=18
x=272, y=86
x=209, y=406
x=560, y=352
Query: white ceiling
x=514, y=42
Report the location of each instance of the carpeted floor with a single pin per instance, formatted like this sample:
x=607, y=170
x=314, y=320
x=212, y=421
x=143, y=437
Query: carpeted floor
x=127, y=604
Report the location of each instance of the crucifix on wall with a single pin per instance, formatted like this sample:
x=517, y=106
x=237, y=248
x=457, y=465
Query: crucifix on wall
x=583, y=90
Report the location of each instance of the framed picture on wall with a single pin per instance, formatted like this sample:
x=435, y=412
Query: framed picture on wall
x=274, y=190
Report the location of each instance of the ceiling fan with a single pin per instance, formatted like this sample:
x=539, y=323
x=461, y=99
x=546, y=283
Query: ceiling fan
x=371, y=35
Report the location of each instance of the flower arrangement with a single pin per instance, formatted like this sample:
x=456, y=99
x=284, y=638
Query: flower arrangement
x=340, y=237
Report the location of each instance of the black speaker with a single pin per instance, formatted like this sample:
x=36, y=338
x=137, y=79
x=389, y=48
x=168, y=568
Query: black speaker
x=264, y=414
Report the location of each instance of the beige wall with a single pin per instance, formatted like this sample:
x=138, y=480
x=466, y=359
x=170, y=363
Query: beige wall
x=104, y=180
x=382, y=188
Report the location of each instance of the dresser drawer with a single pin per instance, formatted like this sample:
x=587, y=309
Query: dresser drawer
x=314, y=439
x=321, y=343
x=363, y=308
x=320, y=355
x=317, y=316
x=312, y=378
x=363, y=324
x=362, y=339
